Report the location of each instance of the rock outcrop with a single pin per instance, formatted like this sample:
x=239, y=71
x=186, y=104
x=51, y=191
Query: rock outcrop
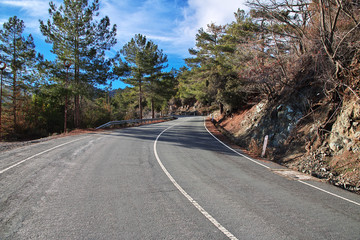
x=322, y=140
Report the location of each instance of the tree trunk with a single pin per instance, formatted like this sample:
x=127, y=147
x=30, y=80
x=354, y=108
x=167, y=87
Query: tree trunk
x=65, y=113
x=2, y=72
x=14, y=83
x=152, y=108
x=140, y=100
x=77, y=83
x=77, y=97
x=221, y=106
x=66, y=99
x=14, y=101
x=77, y=110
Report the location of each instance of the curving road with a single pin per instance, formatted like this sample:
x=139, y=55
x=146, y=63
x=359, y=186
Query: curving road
x=164, y=181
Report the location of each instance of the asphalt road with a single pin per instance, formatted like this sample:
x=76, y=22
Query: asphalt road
x=170, y=180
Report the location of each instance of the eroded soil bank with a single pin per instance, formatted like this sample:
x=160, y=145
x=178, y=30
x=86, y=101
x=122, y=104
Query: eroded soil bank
x=322, y=140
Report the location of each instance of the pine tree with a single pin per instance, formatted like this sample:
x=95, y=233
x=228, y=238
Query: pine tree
x=78, y=37
x=154, y=86
x=20, y=55
x=163, y=90
x=206, y=64
x=143, y=66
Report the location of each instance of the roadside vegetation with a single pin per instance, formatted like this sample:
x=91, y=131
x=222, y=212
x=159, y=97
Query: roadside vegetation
x=277, y=48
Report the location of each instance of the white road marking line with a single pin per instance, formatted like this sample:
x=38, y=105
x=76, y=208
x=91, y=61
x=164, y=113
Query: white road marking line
x=16, y=164
x=242, y=155
x=333, y=194
x=308, y=184
x=197, y=205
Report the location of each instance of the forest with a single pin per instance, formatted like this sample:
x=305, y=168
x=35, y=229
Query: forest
x=274, y=50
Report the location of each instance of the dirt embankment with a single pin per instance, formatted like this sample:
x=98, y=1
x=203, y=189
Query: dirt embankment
x=4, y=146
x=322, y=140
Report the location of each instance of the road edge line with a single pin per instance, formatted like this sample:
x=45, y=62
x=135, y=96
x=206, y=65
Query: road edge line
x=330, y=193
x=240, y=154
x=27, y=159
x=192, y=201
x=305, y=183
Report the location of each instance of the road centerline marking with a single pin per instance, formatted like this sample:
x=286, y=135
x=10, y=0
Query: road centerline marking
x=192, y=201
x=38, y=154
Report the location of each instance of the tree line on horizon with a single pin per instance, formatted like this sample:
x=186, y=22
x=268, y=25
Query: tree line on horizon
x=278, y=47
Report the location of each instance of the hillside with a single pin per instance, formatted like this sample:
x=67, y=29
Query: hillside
x=323, y=142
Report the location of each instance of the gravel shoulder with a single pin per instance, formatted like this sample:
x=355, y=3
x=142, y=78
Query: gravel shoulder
x=6, y=146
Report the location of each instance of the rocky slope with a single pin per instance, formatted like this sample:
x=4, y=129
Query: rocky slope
x=312, y=135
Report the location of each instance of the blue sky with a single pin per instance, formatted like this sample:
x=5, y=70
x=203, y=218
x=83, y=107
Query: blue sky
x=171, y=24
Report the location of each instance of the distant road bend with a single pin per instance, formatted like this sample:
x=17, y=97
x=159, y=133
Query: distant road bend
x=171, y=180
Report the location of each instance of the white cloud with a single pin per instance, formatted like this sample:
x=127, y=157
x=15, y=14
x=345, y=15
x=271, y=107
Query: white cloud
x=145, y=17
x=3, y=20
x=215, y=11
x=156, y=19
x=161, y=38
x=35, y=8
x=199, y=14
x=28, y=10
x=172, y=24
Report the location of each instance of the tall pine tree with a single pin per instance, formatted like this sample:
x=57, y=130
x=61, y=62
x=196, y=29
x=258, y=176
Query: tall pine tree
x=143, y=66
x=78, y=37
x=18, y=52
x=206, y=64
x=154, y=86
